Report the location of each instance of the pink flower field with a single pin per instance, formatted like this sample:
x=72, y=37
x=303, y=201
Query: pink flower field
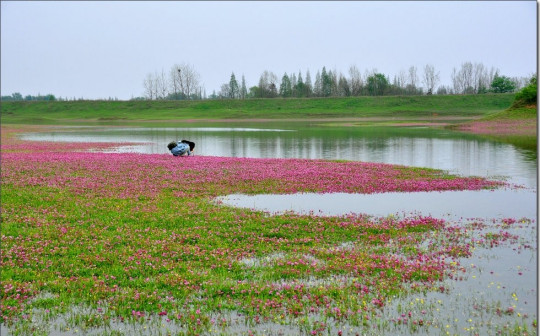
x=138, y=237
x=502, y=127
x=71, y=167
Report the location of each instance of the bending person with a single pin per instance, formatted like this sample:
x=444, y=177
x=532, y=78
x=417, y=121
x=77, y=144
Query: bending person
x=181, y=148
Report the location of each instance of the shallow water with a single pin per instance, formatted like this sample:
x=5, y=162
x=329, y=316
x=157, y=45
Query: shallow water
x=498, y=288
x=500, y=203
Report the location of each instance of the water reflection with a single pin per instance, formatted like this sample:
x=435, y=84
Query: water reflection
x=441, y=149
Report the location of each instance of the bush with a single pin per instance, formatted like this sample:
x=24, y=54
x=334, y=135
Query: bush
x=527, y=95
x=501, y=84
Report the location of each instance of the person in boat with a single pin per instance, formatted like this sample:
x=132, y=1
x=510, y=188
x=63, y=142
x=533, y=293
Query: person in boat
x=181, y=148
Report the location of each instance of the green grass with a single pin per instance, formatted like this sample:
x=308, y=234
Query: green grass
x=400, y=107
x=528, y=112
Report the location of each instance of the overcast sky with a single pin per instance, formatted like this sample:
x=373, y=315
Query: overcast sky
x=105, y=49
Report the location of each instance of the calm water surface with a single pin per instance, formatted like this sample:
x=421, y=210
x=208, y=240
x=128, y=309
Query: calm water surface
x=485, y=204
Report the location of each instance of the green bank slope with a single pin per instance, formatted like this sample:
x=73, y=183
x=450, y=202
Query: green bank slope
x=526, y=112
x=401, y=107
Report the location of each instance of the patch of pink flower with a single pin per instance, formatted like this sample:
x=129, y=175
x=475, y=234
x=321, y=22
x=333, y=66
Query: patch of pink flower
x=501, y=127
x=131, y=175
x=128, y=175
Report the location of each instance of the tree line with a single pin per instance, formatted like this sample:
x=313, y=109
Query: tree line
x=17, y=96
x=183, y=82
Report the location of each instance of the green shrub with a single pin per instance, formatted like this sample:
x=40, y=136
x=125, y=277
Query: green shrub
x=527, y=95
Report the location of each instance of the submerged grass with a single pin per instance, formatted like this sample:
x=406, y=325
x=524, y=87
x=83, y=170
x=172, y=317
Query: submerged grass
x=104, y=241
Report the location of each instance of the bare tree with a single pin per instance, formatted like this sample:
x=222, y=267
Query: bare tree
x=185, y=80
x=225, y=91
x=356, y=82
x=456, y=81
x=483, y=77
x=192, y=79
x=402, y=79
x=464, y=79
x=467, y=75
x=268, y=85
x=149, y=86
x=431, y=78
x=174, y=82
x=413, y=79
x=160, y=84
x=472, y=78
x=521, y=82
x=478, y=76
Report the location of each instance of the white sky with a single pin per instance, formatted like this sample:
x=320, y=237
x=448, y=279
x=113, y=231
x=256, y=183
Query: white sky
x=105, y=49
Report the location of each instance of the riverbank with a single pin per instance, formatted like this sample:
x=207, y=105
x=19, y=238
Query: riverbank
x=517, y=126
x=463, y=107
x=519, y=121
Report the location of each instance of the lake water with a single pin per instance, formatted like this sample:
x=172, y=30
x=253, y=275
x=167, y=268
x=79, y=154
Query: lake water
x=450, y=205
x=455, y=152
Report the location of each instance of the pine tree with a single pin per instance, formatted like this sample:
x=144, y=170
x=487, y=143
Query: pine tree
x=233, y=87
x=243, y=89
x=293, y=85
x=326, y=83
x=300, y=88
x=285, y=89
x=317, y=86
x=309, y=86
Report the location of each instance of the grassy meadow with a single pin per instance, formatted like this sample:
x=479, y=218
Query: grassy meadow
x=126, y=243
x=394, y=107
